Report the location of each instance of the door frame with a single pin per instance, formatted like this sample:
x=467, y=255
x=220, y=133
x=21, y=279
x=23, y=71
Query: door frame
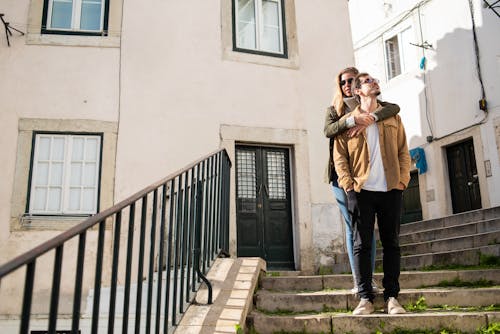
x=298, y=143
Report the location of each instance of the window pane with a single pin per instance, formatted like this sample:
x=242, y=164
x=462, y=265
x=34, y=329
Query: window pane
x=74, y=199
x=77, y=148
x=54, y=199
x=43, y=147
x=76, y=174
x=56, y=174
x=61, y=14
x=392, y=53
x=246, y=24
x=89, y=175
x=42, y=174
x=91, y=15
x=58, y=148
x=40, y=197
x=91, y=149
x=271, y=29
x=247, y=184
x=88, y=204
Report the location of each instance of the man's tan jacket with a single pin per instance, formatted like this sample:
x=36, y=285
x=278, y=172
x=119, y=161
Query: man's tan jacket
x=352, y=159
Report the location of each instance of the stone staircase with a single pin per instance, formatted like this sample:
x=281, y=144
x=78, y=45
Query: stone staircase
x=460, y=239
x=322, y=304
x=458, y=301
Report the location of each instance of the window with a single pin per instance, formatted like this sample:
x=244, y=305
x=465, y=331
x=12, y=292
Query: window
x=258, y=27
x=65, y=174
x=400, y=54
x=75, y=17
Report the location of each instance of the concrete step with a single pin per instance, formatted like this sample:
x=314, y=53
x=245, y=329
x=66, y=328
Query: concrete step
x=470, y=256
x=466, y=229
x=456, y=219
x=468, y=322
x=407, y=280
x=449, y=244
x=321, y=301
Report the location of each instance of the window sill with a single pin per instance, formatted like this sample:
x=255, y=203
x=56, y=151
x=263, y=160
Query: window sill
x=291, y=62
x=42, y=223
x=73, y=40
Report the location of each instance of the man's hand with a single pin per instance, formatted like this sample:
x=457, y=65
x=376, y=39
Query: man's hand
x=355, y=131
x=364, y=119
x=401, y=186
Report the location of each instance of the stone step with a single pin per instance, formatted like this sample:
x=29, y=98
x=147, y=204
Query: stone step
x=464, y=257
x=449, y=244
x=468, y=322
x=456, y=219
x=321, y=301
x=407, y=280
x=466, y=229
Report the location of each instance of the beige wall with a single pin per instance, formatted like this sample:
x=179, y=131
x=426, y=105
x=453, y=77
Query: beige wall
x=164, y=90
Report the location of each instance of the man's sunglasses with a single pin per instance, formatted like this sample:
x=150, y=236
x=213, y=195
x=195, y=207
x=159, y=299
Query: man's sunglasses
x=370, y=81
x=343, y=82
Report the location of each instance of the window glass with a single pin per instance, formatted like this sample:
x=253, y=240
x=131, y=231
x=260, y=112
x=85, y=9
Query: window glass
x=62, y=11
x=91, y=15
x=246, y=24
x=259, y=25
x=392, y=54
x=67, y=183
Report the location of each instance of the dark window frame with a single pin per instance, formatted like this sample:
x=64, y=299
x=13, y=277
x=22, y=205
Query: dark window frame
x=46, y=31
x=257, y=52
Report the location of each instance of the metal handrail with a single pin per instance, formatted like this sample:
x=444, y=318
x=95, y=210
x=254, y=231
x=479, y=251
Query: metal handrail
x=198, y=199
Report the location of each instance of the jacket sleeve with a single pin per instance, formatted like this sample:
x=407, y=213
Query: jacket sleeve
x=403, y=155
x=386, y=110
x=341, y=160
x=334, y=124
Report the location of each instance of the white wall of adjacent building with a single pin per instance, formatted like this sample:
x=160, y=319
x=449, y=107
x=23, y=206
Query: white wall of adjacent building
x=443, y=98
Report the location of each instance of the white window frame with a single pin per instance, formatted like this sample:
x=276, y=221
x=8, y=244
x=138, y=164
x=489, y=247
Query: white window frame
x=259, y=28
x=75, y=17
x=66, y=177
x=402, y=57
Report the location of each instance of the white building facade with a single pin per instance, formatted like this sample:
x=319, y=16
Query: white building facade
x=440, y=61
x=102, y=98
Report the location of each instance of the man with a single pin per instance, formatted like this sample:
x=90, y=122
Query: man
x=374, y=169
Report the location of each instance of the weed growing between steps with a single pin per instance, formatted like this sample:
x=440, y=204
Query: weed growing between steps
x=485, y=262
x=421, y=306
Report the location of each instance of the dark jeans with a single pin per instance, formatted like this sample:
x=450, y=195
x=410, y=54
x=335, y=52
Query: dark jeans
x=386, y=206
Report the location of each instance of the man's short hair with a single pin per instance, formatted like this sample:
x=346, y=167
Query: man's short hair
x=357, y=79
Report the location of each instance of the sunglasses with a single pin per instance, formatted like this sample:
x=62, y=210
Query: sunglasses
x=343, y=82
x=370, y=81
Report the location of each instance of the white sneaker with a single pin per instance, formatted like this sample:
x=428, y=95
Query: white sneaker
x=364, y=307
x=393, y=306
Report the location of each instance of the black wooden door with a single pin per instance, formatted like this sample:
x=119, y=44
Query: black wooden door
x=263, y=205
x=464, y=181
x=412, y=208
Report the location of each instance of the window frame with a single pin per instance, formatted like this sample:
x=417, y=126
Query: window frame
x=47, y=5
x=31, y=169
x=403, y=57
x=258, y=26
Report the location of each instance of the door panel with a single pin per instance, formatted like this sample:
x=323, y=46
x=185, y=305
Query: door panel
x=412, y=208
x=264, y=220
x=464, y=181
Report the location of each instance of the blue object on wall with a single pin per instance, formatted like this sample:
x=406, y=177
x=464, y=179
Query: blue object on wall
x=422, y=63
x=418, y=154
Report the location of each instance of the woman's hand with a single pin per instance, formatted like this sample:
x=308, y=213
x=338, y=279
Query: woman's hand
x=364, y=119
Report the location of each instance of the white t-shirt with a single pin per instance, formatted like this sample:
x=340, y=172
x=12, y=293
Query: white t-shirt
x=376, y=176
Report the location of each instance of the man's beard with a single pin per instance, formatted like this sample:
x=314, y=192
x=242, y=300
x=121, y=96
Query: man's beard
x=377, y=93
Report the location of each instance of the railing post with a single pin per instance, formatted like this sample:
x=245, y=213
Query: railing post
x=197, y=240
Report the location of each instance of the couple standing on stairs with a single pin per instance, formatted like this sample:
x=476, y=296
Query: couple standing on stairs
x=369, y=167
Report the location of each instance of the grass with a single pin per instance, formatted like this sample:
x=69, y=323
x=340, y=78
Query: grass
x=457, y=282
x=485, y=262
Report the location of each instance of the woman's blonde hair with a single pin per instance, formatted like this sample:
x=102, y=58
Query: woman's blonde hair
x=338, y=96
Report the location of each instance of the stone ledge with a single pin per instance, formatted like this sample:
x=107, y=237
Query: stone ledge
x=234, y=282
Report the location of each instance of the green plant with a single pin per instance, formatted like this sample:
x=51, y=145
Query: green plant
x=325, y=270
x=419, y=306
x=459, y=283
x=489, y=260
x=493, y=328
x=238, y=328
x=273, y=274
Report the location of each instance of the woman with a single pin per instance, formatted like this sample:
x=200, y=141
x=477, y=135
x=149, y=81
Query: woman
x=338, y=121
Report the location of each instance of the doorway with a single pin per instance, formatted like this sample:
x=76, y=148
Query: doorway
x=263, y=205
x=464, y=180
x=412, y=208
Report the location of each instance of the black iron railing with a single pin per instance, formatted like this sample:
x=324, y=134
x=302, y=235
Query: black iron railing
x=183, y=226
